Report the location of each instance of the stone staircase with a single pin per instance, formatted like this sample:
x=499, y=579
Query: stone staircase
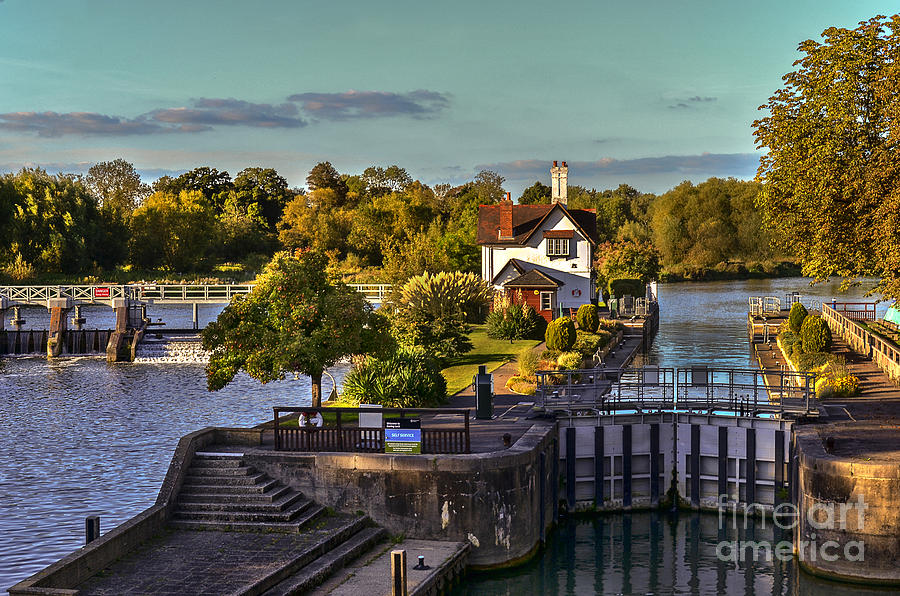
x=221, y=493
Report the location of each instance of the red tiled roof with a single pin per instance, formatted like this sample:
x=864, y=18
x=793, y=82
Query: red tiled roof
x=526, y=219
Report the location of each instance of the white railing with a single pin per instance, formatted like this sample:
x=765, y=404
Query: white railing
x=158, y=293
x=373, y=292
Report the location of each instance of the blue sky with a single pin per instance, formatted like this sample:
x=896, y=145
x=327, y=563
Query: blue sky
x=646, y=92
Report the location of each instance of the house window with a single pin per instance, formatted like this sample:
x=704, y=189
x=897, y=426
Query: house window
x=546, y=300
x=557, y=247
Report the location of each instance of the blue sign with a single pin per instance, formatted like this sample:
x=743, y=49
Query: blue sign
x=403, y=436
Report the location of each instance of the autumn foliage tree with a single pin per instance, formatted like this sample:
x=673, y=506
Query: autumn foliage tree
x=831, y=190
x=296, y=320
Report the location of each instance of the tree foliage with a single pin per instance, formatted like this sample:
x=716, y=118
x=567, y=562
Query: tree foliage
x=117, y=186
x=296, y=320
x=406, y=378
x=536, y=194
x=172, y=231
x=831, y=190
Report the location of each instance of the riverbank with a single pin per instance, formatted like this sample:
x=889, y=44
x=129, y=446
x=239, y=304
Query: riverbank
x=732, y=271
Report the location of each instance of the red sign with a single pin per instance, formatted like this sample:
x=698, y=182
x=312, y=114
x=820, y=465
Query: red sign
x=101, y=292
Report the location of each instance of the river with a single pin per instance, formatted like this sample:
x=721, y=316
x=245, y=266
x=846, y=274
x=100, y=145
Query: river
x=80, y=437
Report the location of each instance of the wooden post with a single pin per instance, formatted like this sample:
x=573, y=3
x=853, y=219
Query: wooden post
x=340, y=440
x=468, y=443
x=275, y=429
x=91, y=528
x=398, y=573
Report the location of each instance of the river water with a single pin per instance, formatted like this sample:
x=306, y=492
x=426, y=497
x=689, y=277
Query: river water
x=81, y=437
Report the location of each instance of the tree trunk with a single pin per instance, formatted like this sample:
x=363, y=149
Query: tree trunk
x=316, y=390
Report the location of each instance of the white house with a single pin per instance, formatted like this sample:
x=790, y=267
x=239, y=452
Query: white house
x=544, y=251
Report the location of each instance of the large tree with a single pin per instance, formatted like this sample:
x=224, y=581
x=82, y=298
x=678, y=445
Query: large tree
x=831, y=188
x=117, y=186
x=296, y=320
x=173, y=231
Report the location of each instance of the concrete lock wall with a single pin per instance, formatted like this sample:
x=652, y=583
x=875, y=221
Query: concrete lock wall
x=851, y=503
x=708, y=456
x=500, y=502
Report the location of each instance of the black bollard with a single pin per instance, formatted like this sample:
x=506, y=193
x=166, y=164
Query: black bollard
x=421, y=564
x=91, y=528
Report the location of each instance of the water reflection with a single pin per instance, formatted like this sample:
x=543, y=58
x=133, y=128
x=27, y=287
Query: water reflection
x=653, y=553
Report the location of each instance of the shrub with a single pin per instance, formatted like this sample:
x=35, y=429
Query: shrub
x=511, y=319
x=815, y=335
x=790, y=342
x=19, y=269
x=569, y=360
x=611, y=326
x=587, y=317
x=797, y=315
x=447, y=295
x=407, y=378
x=587, y=343
x=442, y=339
x=560, y=334
x=622, y=286
x=808, y=361
x=527, y=361
x=523, y=385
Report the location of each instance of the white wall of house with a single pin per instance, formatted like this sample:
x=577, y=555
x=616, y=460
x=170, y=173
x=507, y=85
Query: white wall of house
x=574, y=271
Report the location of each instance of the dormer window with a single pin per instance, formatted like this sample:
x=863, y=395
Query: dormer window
x=557, y=247
x=557, y=242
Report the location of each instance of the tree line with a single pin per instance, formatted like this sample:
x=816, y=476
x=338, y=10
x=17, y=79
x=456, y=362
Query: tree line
x=378, y=226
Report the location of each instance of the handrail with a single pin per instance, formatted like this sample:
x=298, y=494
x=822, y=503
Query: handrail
x=884, y=354
x=188, y=293
x=700, y=388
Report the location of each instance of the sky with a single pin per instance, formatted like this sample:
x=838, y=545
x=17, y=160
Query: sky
x=643, y=92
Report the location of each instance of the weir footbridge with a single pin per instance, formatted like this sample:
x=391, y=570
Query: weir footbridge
x=105, y=294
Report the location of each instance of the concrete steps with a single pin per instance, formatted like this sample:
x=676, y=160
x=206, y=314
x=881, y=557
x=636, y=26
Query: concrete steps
x=315, y=573
x=221, y=493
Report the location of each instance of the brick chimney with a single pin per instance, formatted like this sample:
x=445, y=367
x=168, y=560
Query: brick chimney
x=559, y=188
x=506, y=224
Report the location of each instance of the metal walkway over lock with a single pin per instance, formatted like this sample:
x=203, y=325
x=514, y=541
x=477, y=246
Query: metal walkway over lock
x=714, y=391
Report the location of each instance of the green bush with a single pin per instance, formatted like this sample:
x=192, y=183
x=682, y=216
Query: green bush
x=790, y=342
x=569, y=361
x=587, y=317
x=407, y=378
x=797, y=316
x=447, y=295
x=622, y=286
x=442, y=339
x=514, y=321
x=527, y=361
x=560, y=334
x=587, y=343
x=815, y=335
x=808, y=361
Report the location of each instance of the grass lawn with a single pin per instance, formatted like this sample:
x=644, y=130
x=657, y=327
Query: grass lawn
x=488, y=351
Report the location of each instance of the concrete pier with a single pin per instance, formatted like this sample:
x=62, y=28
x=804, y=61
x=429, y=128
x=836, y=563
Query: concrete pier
x=59, y=310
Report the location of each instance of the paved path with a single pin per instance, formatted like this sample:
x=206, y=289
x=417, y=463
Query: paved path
x=371, y=575
x=879, y=398
x=200, y=563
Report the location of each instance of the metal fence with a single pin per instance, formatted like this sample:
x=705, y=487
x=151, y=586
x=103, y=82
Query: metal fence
x=735, y=391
